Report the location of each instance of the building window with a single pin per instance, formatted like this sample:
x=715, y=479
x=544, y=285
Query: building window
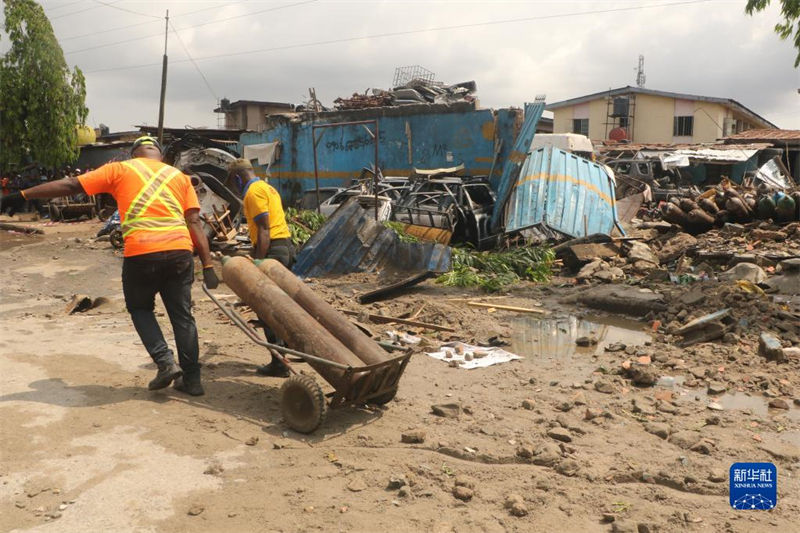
x=623, y=122
x=580, y=125
x=683, y=126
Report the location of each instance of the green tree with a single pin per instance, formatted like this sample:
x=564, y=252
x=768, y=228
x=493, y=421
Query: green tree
x=790, y=11
x=41, y=100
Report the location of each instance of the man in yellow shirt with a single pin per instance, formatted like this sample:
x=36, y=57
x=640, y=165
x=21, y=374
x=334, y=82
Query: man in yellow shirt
x=266, y=221
x=269, y=232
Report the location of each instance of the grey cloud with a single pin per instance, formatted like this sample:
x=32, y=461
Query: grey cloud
x=711, y=49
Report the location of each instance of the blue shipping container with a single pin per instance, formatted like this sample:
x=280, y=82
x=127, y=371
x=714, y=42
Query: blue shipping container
x=421, y=136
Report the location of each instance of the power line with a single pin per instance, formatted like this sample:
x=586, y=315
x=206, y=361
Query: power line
x=111, y=4
x=93, y=33
x=80, y=11
x=105, y=31
x=190, y=27
x=62, y=6
x=412, y=32
x=185, y=49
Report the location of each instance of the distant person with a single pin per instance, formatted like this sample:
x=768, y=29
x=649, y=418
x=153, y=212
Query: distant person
x=161, y=226
x=269, y=232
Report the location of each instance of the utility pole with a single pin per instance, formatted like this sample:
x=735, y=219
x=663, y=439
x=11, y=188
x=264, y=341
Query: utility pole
x=163, y=84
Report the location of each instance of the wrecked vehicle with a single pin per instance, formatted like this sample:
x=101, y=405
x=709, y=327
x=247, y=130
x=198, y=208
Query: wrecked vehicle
x=461, y=206
x=206, y=163
x=390, y=190
x=636, y=175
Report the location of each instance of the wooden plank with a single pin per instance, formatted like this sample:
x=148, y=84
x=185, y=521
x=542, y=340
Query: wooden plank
x=508, y=308
x=380, y=319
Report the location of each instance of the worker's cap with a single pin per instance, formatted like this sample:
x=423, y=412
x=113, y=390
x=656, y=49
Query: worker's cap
x=239, y=164
x=145, y=140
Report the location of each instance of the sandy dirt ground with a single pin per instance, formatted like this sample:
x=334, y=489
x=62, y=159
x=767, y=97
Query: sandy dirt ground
x=561, y=440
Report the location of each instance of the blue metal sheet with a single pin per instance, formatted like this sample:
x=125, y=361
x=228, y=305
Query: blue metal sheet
x=514, y=160
x=352, y=241
x=564, y=192
x=421, y=136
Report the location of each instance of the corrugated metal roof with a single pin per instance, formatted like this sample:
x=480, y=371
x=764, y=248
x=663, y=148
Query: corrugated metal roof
x=765, y=135
x=352, y=241
x=665, y=147
x=564, y=192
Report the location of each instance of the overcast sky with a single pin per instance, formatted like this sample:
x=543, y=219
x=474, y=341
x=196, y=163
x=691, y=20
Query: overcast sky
x=708, y=48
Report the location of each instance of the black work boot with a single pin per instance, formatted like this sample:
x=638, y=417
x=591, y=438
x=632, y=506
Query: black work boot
x=275, y=369
x=190, y=384
x=167, y=372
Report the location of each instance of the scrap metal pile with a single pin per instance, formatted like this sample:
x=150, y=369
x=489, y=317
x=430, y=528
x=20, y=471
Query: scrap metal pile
x=416, y=91
x=728, y=203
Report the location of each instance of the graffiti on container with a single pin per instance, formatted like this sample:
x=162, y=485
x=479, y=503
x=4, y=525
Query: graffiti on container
x=349, y=145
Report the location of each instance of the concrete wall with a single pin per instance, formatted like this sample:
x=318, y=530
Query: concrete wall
x=708, y=120
x=250, y=117
x=653, y=119
x=422, y=136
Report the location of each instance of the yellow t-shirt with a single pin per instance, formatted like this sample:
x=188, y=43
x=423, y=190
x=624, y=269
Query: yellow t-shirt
x=260, y=198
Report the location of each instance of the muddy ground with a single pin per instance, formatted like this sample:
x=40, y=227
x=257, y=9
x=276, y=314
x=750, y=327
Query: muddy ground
x=562, y=437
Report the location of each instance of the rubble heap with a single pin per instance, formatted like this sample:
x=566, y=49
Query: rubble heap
x=414, y=92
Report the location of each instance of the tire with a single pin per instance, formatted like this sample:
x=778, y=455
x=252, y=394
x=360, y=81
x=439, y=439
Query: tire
x=302, y=403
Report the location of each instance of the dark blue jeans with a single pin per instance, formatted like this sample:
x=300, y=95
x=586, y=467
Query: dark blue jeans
x=169, y=274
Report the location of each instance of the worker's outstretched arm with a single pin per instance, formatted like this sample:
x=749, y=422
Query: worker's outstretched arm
x=53, y=189
x=14, y=201
x=201, y=245
x=263, y=241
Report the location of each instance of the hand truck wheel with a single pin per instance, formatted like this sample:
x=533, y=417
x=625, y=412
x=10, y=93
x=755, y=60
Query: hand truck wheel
x=302, y=403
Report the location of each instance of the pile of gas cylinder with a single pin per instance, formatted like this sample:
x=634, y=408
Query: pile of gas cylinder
x=727, y=203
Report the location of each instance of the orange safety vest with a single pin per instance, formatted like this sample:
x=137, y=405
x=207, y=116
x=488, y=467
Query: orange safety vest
x=152, y=198
x=138, y=216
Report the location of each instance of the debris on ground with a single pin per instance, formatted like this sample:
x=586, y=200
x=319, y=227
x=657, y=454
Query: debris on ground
x=461, y=355
x=82, y=302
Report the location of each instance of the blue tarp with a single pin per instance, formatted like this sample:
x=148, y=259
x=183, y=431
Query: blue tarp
x=352, y=241
x=564, y=192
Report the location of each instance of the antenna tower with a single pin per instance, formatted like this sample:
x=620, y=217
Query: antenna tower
x=640, y=77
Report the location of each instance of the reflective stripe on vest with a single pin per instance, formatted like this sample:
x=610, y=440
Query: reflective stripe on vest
x=155, y=188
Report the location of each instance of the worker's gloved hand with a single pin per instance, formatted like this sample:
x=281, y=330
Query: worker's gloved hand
x=12, y=203
x=210, y=277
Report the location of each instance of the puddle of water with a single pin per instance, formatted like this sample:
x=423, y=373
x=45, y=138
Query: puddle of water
x=555, y=337
x=739, y=401
x=9, y=239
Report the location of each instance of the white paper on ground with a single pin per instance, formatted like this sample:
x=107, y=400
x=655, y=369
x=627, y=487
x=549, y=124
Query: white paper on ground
x=493, y=355
x=404, y=338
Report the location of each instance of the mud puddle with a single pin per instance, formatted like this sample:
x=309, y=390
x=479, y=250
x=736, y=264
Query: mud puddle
x=555, y=337
x=728, y=401
x=12, y=239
